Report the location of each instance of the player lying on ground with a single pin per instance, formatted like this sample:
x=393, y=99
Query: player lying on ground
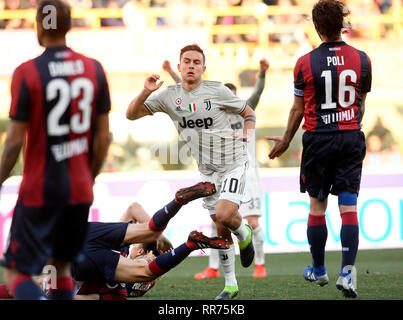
x=101, y=251
x=101, y=265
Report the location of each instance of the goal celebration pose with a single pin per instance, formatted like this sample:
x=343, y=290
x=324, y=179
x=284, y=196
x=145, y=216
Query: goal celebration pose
x=198, y=108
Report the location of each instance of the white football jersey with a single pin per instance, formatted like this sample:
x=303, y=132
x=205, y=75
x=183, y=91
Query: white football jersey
x=201, y=120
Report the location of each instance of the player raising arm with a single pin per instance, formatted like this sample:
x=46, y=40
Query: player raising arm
x=330, y=87
x=198, y=108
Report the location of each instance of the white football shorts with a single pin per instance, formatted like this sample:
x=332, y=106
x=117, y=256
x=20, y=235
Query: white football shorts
x=230, y=185
x=253, y=207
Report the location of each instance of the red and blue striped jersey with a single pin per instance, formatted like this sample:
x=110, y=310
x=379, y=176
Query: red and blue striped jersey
x=58, y=94
x=332, y=79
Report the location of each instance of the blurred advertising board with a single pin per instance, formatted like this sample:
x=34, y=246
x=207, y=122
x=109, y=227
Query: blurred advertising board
x=284, y=209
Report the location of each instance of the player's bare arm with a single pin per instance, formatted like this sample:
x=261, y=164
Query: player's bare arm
x=363, y=97
x=135, y=213
x=136, y=108
x=102, y=140
x=253, y=100
x=264, y=66
x=294, y=120
x=12, y=147
x=249, y=122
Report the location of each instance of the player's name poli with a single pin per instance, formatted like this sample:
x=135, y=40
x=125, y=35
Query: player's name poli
x=66, y=150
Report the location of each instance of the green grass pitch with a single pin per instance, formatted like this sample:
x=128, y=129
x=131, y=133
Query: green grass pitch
x=380, y=277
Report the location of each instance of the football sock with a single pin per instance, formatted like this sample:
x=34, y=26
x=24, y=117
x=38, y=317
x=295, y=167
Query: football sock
x=214, y=261
x=317, y=236
x=166, y=261
x=160, y=219
x=64, y=289
x=227, y=260
x=24, y=288
x=349, y=238
x=4, y=292
x=241, y=232
x=257, y=240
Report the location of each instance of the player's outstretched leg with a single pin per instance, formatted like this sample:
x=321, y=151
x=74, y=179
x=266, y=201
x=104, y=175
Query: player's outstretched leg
x=160, y=219
x=196, y=240
x=199, y=190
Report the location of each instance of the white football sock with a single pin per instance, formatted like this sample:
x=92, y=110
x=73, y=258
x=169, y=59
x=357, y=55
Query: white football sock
x=214, y=262
x=257, y=240
x=241, y=232
x=227, y=260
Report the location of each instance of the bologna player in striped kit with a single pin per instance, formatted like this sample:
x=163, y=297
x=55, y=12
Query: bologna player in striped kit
x=330, y=87
x=59, y=110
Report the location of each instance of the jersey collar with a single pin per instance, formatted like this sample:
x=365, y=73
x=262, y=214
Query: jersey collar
x=333, y=44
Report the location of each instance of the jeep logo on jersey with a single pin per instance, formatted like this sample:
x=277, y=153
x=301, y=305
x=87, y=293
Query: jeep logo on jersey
x=198, y=123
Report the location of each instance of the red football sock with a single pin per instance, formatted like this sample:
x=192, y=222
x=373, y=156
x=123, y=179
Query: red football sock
x=4, y=292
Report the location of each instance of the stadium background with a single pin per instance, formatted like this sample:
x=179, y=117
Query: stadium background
x=133, y=38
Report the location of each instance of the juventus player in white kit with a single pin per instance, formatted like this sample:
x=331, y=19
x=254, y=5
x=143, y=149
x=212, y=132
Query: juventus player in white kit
x=198, y=108
x=251, y=211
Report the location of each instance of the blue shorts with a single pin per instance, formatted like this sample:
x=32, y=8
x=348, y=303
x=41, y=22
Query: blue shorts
x=38, y=233
x=331, y=163
x=101, y=252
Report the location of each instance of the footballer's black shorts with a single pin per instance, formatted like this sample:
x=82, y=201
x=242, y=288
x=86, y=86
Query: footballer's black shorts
x=100, y=255
x=331, y=162
x=38, y=233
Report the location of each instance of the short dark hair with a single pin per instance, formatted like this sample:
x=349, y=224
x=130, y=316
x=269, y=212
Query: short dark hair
x=328, y=16
x=230, y=86
x=192, y=47
x=151, y=246
x=63, y=17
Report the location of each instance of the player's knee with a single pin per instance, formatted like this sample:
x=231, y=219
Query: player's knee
x=253, y=221
x=223, y=217
x=135, y=206
x=347, y=198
